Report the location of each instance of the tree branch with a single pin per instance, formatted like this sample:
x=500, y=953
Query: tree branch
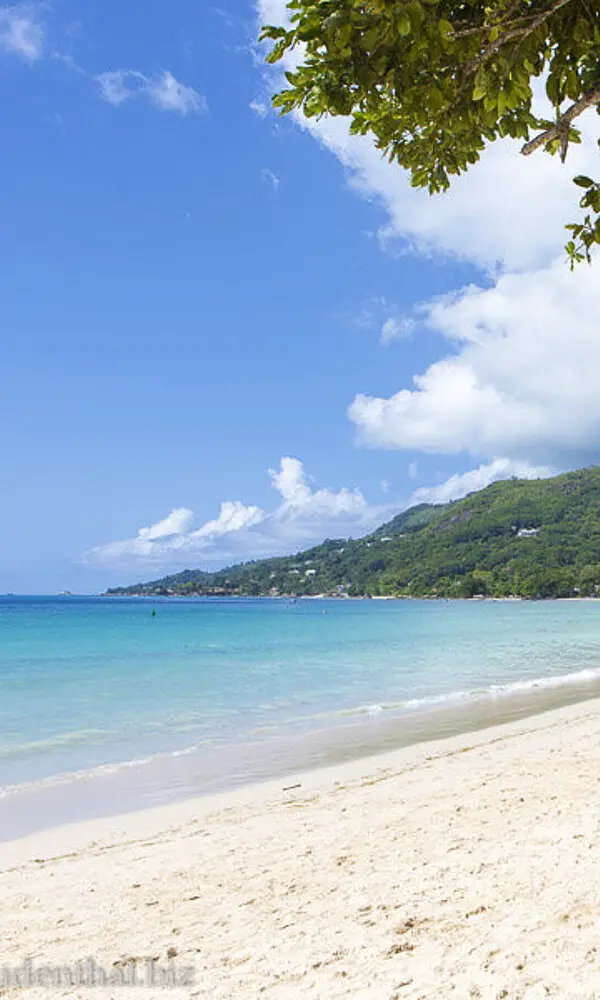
x=561, y=128
x=522, y=31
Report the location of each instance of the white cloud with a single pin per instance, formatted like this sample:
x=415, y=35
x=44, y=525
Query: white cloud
x=394, y=328
x=460, y=484
x=413, y=470
x=310, y=509
x=21, y=34
x=167, y=93
x=233, y=516
x=260, y=108
x=290, y=481
x=385, y=486
x=117, y=86
x=270, y=178
x=165, y=535
x=507, y=210
x=521, y=381
x=177, y=523
x=304, y=516
x=519, y=377
x=163, y=91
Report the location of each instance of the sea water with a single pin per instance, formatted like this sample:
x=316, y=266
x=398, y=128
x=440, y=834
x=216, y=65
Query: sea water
x=99, y=684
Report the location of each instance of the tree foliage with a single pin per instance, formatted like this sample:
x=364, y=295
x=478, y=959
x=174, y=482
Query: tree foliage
x=532, y=539
x=435, y=80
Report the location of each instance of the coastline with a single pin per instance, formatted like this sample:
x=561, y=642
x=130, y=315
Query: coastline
x=199, y=773
x=466, y=864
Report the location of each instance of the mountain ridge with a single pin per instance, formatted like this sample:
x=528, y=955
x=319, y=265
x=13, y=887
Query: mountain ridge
x=526, y=538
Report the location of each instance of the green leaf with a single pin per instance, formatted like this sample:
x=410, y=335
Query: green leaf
x=277, y=51
x=583, y=182
x=271, y=32
x=403, y=24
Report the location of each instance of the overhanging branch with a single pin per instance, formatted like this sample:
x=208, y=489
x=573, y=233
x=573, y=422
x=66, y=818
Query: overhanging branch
x=560, y=129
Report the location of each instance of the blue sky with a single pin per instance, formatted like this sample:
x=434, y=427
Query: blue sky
x=195, y=290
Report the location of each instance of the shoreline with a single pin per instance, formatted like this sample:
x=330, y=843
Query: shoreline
x=171, y=780
x=197, y=773
x=326, y=776
x=167, y=780
x=467, y=865
x=336, y=597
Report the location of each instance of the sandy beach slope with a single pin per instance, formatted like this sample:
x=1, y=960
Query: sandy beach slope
x=468, y=868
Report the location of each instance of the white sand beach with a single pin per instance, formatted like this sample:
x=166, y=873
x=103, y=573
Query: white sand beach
x=467, y=868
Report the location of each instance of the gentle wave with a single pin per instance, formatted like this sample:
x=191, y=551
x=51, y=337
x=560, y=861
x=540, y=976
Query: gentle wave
x=86, y=737
x=587, y=675
x=80, y=738
x=100, y=770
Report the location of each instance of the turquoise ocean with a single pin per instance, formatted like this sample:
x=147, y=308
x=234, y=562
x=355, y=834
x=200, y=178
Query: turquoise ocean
x=99, y=686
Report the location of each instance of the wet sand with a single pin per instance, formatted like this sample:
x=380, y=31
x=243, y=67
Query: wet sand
x=464, y=867
x=171, y=779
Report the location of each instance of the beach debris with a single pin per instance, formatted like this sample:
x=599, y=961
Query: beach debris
x=397, y=949
x=290, y=788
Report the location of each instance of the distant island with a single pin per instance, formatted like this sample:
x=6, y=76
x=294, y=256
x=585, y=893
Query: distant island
x=522, y=538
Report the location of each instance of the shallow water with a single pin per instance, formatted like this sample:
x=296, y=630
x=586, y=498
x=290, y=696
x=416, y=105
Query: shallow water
x=210, y=693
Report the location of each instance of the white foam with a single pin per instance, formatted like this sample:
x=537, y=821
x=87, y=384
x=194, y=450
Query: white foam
x=588, y=675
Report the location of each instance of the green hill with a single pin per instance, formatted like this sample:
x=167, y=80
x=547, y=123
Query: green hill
x=536, y=538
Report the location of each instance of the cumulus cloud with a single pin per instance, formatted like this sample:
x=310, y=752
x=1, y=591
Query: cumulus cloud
x=176, y=523
x=233, y=516
x=312, y=510
x=460, y=484
x=520, y=378
x=471, y=221
x=163, y=91
x=290, y=481
x=303, y=516
x=21, y=34
x=165, y=535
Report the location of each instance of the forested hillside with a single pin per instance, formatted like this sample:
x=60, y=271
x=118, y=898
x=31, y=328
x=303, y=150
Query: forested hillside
x=536, y=538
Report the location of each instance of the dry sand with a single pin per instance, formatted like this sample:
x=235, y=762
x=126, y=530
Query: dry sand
x=465, y=868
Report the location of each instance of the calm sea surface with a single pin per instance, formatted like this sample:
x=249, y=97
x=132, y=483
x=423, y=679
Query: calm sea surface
x=88, y=683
